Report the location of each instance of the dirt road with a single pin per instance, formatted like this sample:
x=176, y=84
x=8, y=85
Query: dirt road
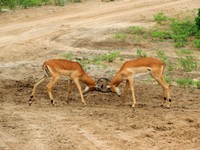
x=30, y=36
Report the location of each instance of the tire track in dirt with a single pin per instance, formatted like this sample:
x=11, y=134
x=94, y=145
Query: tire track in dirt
x=8, y=142
x=106, y=16
x=81, y=137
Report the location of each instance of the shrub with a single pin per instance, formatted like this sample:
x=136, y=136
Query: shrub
x=197, y=34
x=59, y=2
x=140, y=53
x=198, y=84
x=185, y=27
x=121, y=36
x=182, y=52
x=188, y=63
x=109, y=57
x=160, y=17
x=170, y=66
x=197, y=20
x=161, y=54
x=136, y=30
x=180, y=40
x=197, y=43
x=184, y=82
x=181, y=30
x=68, y=55
x=29, y=3
x=161, y=34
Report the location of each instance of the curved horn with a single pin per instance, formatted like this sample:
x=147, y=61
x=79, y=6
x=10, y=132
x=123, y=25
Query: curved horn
x=101, y=84
x=106, y=79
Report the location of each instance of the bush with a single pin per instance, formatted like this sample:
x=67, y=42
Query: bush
x=160, y=17
x=136, y=30
x=181, y=30
x=188, y=63
x=68, y=55
x=140, y=53
x=185, y=82
x=30, y=3
x=121, y=36
x=161, y=54
x=197, y=34
x=180, y=39
x=186, y=28
x=197, y=20
x=197, y=43
x=198, y=84
x=109, y=57
x=161, y=34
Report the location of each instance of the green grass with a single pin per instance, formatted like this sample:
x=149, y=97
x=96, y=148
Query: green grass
x=197, y=84
x=141, y=53
x=168, y=79
x=188, y=63
x=121, y=36
x=108, y=57
x=160, y=18
x=197, y=43
x=161, y=35
x=197, y=19
x=11, y=4
x=185, y=82
x=181, y=32
x=186, y=60
x=97, y=60
x=136, y=30
x=68, y=55
x=162, y=56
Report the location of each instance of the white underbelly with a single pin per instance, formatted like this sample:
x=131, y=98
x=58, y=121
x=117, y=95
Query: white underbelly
x=139, y=71
x=141, y=74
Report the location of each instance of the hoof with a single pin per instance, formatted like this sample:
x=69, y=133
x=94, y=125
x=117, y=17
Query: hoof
x=84, y=103
x=133, y=106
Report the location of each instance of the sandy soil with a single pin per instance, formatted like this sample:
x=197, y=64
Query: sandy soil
x=30, y=36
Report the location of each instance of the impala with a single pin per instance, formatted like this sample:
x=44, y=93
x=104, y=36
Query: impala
x=138, y=67
x=56, y=68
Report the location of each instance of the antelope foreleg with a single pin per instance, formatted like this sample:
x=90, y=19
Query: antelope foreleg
x=41, y=79
x=80, y=90
x=125, y=90
x=49, y=86
x=166, y=90
x=69, y=86
x=131, y=82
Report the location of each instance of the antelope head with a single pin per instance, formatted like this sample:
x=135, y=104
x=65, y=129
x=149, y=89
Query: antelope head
x=102, y=85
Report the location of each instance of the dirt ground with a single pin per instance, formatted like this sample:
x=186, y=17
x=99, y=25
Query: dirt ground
x=29, y=37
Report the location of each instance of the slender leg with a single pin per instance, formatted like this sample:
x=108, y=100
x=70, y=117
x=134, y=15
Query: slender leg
x=125, y=90
x=49, y=86
x=166, y=90
x=69, y=86
x=131, y=82
x=80, y=90
x=157, y=75
x=35, y=87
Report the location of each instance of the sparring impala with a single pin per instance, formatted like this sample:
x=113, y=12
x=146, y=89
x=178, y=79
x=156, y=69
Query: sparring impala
x=138, y=67
x=56, y=68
